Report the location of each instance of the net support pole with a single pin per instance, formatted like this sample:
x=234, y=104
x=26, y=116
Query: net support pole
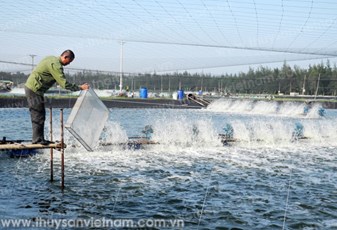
x=62, y=151
x=51, y=149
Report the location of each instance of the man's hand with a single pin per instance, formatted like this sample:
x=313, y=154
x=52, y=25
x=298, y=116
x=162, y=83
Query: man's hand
x=85, y=86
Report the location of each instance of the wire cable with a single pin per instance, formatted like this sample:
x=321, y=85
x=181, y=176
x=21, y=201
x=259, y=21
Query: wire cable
x=279, y=25
x=257, y=24
x=235, y=22
x=205, y=198
x=196, y=22
x=216, y=23
x=321, y=35
x=302, y=28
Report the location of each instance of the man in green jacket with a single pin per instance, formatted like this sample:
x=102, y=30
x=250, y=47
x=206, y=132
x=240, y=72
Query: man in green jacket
x=45, y=75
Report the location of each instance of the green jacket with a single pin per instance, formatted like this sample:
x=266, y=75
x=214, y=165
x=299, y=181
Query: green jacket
x=46, y=73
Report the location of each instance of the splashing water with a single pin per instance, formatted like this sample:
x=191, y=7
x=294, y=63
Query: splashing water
x=290, y=109
x=184, y=132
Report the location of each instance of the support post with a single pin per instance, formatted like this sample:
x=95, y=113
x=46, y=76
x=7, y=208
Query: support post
x=51, y=149
x=62, y=151
x=121, y=68
x=317, y=87
x=32, y=56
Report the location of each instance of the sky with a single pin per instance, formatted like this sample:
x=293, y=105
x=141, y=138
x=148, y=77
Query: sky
x=205, y=36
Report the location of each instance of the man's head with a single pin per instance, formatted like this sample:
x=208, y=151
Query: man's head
x=67, y=57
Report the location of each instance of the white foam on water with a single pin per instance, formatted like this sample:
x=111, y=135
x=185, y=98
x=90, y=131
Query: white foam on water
x=113, y=133
x=314, y=112
x=263, y=107
x=17, y=91
x=289, y=109
x=182, y=131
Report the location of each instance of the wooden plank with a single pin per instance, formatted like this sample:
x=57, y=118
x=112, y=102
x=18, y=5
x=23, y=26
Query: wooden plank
x=133, y=140
x=142, y=141
x=18, y=146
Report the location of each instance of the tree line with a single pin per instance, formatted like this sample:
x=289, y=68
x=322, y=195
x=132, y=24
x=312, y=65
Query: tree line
x=320, y=78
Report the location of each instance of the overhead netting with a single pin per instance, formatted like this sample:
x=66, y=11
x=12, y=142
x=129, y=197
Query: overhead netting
x=159, y=36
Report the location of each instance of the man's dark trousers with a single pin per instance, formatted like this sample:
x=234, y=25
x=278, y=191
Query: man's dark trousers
x=37, y=113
